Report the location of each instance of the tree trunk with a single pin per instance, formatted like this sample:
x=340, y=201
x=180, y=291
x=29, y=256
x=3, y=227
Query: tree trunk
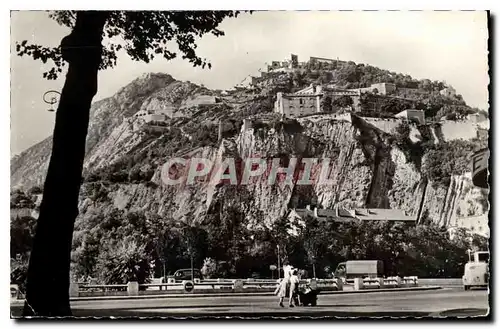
x=47, y=292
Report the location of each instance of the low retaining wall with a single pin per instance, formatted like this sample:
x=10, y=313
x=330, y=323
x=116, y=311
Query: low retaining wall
x=382, y=283
x=172, y=292
x=196, y=287
x=455, y=282
x=236, y=285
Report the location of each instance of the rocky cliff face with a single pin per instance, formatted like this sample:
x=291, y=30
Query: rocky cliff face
x=366, y=169
x=29, y=168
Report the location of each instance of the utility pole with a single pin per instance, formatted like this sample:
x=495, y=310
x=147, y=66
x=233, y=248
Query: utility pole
x=279, y=273
x=192, y=269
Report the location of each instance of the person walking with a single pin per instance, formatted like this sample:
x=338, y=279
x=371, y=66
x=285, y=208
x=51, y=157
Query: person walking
x=281, y=290
x=294, y=289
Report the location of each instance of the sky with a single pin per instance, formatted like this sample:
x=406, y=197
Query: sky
x=449, y=46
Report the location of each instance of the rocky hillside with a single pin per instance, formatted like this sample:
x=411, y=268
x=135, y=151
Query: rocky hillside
x=370, y=167
x=29, y=168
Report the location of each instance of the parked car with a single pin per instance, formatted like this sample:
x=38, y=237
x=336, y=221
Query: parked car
x=185, y=274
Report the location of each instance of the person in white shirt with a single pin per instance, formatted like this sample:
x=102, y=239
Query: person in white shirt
x=294, y=289
x=287, y=271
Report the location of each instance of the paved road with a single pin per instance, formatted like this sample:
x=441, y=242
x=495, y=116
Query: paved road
x=451, y=302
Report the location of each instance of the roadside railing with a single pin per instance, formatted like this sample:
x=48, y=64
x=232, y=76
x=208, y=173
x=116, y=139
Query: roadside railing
x=389, y=282
x=188, y=286
x=82, y=289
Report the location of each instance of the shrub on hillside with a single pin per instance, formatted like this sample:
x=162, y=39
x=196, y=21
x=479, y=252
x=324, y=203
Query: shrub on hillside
x=205, y=137
x=342, y=101
x=453, y=112
x=413, y=151
x=35, y=190
x=19, y=199
x=326, y=104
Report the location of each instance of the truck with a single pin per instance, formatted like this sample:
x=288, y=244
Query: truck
x=352, y=269
x=476, y=271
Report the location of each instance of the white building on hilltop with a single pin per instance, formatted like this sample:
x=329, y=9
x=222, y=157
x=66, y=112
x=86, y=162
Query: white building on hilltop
x=383, y=88
x=303, y=102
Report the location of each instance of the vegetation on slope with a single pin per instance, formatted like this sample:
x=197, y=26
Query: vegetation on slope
x=117, y=246
x=437, y=162
x=451, y=158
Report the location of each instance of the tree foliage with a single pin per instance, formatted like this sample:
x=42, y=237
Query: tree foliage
x=454, y=112
x=19, y=271
x=123, y=261
x=326, y=104
x=22, y=230
x=209, y=269
x=21, y=199
x=449, y=158
x=121, y=246
x=413, y=150
x=142, y=35
x=342, y=101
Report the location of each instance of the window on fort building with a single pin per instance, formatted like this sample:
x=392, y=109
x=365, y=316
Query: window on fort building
x=301, y=101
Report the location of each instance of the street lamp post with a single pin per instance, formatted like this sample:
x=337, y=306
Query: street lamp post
x=279, y=274
x=192, y=267
x=51, y=97
x=190, y=246
x=272, y=268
